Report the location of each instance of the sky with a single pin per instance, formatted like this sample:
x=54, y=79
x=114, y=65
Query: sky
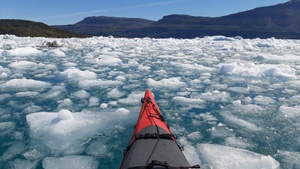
x=62, y=12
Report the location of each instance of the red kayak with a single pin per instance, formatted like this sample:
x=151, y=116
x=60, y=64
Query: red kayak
x=152, y=144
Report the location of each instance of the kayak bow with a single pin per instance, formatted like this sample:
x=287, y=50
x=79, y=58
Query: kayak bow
x=152, y=144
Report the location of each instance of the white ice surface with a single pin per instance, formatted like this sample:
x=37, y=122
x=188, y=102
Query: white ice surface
x=70, y=162
x=171, y=83
x=223, y=157
x=65, y=132
x=22, y=51
x=74, y=74
x=55, y=53
x=23, y=85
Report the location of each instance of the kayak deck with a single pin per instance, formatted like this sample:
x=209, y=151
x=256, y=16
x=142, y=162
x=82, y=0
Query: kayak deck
x=152, y=144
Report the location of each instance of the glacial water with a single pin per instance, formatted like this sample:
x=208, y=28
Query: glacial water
x=232, y=102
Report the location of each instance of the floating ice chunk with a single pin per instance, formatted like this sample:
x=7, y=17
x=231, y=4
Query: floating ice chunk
x=109, y=61
x=33, y=154
x=32, y=109
x=103, y=105
x=27, y=94
x=113, y=103
x=98, y=148
x=171, y=83
x=144, y=68
x=132, y=99
x=74, y=74
x=24, y=164
x=93, y=101
x=194, y=136
x=161, y=72
x=240, y=122
x=284, y=72
x=70, y=162
x=221, y=131
x=13, y=150
x=289, y=112
x=188, y=101
x=285, y=57
x=98, y=83
x=23, y=65
x=23, y=84
x=4, y=72
x=61, y=123
x=122, y=111
x=264, y=100
x=237, y=142
x=223, y=157
x=55, y=93
x=215, y=96
x=55, y=53
x=121, y=78
x=66, y=103
x=115, y=93
x=191, y=154
x=69, y=64
x=26, y=51
x=81, y=94
x=6, y=127
x=65, y=115
x=63, y=136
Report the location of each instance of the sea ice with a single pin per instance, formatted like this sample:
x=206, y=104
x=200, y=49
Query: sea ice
x=23, y=85
x=238, y=142
x=71, y=162
x=289, y=112
x=109, y=61
x=23, y=51
x=115, y=93
x=223, y=157
x=132, y=99
x=93, y=101
x=23, y=65
x=13, y=150
x=55, y=53
x=24, y=164
x=103, y=105
x=284, y=72
x=74, y=74
x=65, y=115
x=171, y=83
x=81, y=94
x=4, y=72
x=59, y=131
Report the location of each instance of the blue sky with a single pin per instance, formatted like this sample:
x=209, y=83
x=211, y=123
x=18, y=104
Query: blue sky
x=59, y=12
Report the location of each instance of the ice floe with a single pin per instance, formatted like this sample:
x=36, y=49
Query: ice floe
x=227, y=157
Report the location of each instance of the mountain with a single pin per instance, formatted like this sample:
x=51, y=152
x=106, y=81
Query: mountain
x=25, y=28
x=280, y=21
x=105, y=26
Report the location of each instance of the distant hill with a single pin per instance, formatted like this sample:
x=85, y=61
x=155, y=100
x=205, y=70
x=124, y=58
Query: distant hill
x=25, y=28
x=105, y=26
x=280, y=21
